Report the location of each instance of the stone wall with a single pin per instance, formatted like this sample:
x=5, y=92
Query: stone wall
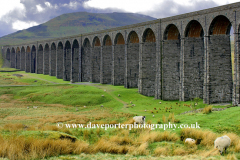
x=107, y=64
x=67, y=64
x=18, y=60
x=13, y=59
x=119, y=64
x=22, y=68
x=86, y=64
x=46, y=61
x=59, y=71
x=52, y=70
x=171, y=70
x=75, y=65
x=96, y=54
x=148, y=68
x=28, y=58
x=193, y=67
x=33, y=62
x=132, y=65
x=220, y=69
x=40, y=62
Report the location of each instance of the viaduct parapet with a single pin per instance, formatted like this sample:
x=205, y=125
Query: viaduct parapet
x=175, y=58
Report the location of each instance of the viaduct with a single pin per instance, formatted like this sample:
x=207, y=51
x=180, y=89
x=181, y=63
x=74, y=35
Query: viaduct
x=175, y=58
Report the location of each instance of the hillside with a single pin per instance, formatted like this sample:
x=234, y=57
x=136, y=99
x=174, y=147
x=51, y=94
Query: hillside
x=73, y=24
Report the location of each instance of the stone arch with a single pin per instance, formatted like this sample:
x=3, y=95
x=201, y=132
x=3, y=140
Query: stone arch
x=53, y=61
x=33, y=60
x=132, y=69
x=220, y=65
x=107, y=60
x=75, y=61
x=119, y=60
x=194, y=29
x=96, y=42
x=107, y=40
x=193, y=60
x=133, y=37
x=23, y=59
x=40, y=59
x=171, y=71
x=220, y=25
x=96, y=58
x=13, y=58
x=67, y=61
x=171, y=33
x=119, y=39
x=86, y=61
x=28, y=59
x=60, y=52
x=148, y=69
x=18, y=60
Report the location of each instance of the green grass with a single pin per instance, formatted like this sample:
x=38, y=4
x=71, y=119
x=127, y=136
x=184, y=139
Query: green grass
x=58, y=103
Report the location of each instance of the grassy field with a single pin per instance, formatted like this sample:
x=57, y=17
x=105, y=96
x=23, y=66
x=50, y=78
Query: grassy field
x=32, y=105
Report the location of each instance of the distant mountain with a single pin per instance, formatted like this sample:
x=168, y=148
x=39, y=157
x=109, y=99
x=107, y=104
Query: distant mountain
x=73, y=24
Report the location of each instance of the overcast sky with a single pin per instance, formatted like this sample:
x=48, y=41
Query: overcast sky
x=21, y=14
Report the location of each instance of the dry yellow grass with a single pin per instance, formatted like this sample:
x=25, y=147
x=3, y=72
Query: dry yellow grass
x=18, y=147
x=157, y=137
x=207, y=109
x=164, y=119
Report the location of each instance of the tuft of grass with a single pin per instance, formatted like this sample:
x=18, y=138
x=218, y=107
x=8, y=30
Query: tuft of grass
x=207, y=110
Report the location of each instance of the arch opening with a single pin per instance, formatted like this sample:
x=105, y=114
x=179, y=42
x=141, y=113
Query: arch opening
x=107, y=41
x=194, y=29
x=133, y=37
x=171, y=33
x=96, y=42
x=220, y=26
x=119, y=40
x=75, y=61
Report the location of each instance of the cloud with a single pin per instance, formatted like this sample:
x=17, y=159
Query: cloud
x=20, y=25
x=19, y=14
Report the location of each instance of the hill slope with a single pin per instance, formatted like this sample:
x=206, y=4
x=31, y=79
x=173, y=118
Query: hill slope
x=73, y=24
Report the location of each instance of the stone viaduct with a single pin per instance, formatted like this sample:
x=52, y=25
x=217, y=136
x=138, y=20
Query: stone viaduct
x=175, y=58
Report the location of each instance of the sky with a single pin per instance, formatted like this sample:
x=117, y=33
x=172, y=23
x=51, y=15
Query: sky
x=21, y=14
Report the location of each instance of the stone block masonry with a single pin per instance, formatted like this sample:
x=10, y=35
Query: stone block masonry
x=176, y=58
